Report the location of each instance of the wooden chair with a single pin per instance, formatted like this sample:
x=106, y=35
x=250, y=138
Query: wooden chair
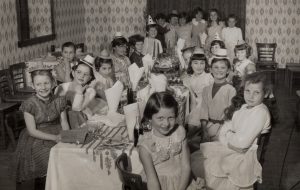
x=6, y=92
x=266, y=58
x=18, y=78
x=130, y=181
x=262, y=143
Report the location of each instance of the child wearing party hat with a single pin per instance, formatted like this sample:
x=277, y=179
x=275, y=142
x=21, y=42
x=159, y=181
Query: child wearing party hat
x=152, y=46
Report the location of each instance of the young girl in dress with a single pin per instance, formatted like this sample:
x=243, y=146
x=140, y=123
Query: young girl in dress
x=196, y=81
x=199, y=27
x=231, y=162
x=75, y=92
x=152, y=46
x=45, y=117
x=103, y=81
x=242, y=64
x=214, y=27
x=184, y=31
x=215, y=99
x=231, y=36
x=163, y=150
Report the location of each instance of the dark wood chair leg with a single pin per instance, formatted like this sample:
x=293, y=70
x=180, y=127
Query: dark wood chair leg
x=10, y=133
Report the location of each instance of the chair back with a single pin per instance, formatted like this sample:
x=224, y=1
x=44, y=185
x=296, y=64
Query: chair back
x=17, y=73
x=129, y=180
x=5, y=87
x=266, y=52
x=262, y=142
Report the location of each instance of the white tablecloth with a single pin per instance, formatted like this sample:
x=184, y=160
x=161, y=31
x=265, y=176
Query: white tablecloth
x=48, y=61
x=70, y=168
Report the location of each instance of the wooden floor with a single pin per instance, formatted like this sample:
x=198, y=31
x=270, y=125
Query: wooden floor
x=281, y=170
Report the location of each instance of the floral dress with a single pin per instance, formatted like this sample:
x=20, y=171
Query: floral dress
x=166, y=154
x=32, y=154
x=120, y=66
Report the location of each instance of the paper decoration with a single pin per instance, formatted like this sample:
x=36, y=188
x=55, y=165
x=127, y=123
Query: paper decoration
x=135, y=74
x=113, y=96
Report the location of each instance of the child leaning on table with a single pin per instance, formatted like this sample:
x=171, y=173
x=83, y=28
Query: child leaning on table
x=45, y=116
x=163, y=151
x=76, y=91
x=63, y=69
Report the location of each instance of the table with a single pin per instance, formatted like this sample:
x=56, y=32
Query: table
x=71, y=168
x=48, y=61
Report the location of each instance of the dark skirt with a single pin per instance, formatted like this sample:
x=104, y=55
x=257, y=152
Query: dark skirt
x=32, y=154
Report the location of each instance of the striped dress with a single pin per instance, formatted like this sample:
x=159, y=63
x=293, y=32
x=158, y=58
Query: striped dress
x=32, y=154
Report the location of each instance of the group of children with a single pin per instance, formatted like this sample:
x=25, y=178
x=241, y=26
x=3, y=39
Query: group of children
x=216, y=66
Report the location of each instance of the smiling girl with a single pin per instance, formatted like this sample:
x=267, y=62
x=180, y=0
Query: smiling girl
x=216, y=98
x=45, y=117
x=231, y=162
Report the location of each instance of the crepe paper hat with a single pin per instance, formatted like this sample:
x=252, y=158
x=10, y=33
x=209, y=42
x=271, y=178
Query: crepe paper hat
x=150, y=21
x=174, y=13
x=221, y=53
x=104, y=54
x=192, y=48
x=40, y=67
x=198, y=50
x=118, y=35
x=240, y=42
x=217, y=37
x=88, y=60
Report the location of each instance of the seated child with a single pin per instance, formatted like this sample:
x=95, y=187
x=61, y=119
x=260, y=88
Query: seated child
x=62, y=71
x=216, y=98
x=163, y=151
x=75, y=92
x=152, y=46
x=45, y=117
x=231, y=162
x=136, y=42
x=215, y=45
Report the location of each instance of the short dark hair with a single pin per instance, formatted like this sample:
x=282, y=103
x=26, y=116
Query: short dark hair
x=157, y=101
x=196, y=11
x=219, y=42
x=100, y=61
x=82, y=63
x=216, y=59
x=189, y=70
x=160, y=16
x=183, y=15
x=244, y=46
x=119, y=41
x=135, y=38
x=151, y=26
x=232, y=16
x=68, y=44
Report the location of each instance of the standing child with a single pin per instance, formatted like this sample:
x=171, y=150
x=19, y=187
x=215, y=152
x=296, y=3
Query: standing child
x=231, y=163
x=45, y=117
x=163, y=151
x=231, y=36
x=162, y=29
x=196, y=81
x=199, y=27
x=171, y=36
x=152, y=46
x=63, y=69
x=216, y=98
x=137, y=43
x=184, y=31
x=214, y=27
x=75, y=92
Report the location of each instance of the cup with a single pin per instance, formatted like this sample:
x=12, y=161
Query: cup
x=131, y=112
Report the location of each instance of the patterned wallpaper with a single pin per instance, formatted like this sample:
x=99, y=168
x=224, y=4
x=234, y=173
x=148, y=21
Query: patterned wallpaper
x=105, y=17
x=95, y=21
x=69, y=26
x=275, y=21
x=39, y=18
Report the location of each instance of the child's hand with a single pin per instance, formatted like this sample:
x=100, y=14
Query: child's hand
x=58, y=138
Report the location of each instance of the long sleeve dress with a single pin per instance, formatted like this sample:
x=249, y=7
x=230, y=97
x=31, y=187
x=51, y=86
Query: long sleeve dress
x=228, y=169
x=196, y=84
x=231, y=37
x=32, y=154
x=212, y=108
